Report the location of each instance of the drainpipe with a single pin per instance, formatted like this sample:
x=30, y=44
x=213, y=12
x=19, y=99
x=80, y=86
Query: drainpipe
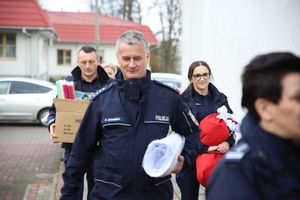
x=52, y=35
x=29, y=46
x=97, y=32
x=48, y=59
x=24, y=31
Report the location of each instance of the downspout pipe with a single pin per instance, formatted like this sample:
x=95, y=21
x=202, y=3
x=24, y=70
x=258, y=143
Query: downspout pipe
x=29, y=45
x=24, y=31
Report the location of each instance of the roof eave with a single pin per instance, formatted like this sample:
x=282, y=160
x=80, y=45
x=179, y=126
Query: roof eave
x=24, y=29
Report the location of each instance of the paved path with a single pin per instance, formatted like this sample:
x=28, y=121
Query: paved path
x=175, y=197
x=28, y=162
x=30, y=167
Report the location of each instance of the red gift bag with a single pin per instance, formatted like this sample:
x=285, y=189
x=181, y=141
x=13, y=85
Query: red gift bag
x=205, y=164
x=213, y=132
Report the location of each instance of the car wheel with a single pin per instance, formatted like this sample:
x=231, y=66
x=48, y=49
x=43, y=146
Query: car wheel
x=43, y=117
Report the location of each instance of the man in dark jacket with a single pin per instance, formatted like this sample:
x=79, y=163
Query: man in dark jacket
x=120, y=122
x=265, y=164
x=88, y=77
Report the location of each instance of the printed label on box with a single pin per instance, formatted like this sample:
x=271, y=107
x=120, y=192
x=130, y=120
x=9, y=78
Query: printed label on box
x=69, y=114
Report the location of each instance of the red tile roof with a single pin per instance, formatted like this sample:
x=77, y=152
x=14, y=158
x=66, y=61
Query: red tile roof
x=69, y=26
x=22, y=13
x=80, y=27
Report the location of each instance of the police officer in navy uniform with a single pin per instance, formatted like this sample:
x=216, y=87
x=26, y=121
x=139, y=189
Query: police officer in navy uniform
x=120, y=122
x=203, y=98
x=88, y=77
x=266, y=162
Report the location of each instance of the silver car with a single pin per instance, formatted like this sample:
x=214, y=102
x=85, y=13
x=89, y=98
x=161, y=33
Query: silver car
x=172, y=80
x=25, y=99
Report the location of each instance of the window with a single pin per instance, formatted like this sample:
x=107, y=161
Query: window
x=27, y=88
x=63, y=57
x=7, y=45
x=4, y=87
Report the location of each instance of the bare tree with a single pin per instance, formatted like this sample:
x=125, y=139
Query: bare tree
x=166, y=57
x=125, y=9
x=167, y=54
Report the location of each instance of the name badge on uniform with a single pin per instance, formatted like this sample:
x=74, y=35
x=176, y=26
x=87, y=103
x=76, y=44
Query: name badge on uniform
x=113, y=119
x=162, y=118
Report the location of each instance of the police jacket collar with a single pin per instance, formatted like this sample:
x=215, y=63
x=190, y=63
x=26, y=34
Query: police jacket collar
x=119, y=76
x=261, y=139
x=190, y=91
x=134, y=89
x=102, y=75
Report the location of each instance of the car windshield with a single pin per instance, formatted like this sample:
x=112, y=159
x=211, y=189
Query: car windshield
x=168, y=82
x=172, y=80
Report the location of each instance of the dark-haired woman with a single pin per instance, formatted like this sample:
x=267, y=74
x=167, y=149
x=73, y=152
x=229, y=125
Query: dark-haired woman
x=203, y=98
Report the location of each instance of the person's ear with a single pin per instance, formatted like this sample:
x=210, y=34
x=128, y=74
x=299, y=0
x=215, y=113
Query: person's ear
x=263, y=108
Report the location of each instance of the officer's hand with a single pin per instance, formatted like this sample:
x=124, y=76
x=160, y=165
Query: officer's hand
x=52, y=133
x=179, y=165
x=212, y=149
x=223, y=147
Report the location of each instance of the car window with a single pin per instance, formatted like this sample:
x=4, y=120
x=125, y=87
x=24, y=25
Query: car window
x=3, y=87
x=168, y=82
x=27, y=88
x=172, y=83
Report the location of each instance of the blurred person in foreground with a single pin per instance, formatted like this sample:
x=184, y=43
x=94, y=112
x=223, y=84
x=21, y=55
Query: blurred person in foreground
x=203, y=98
x=123, y=118
x=265, y=164
x=88, y=77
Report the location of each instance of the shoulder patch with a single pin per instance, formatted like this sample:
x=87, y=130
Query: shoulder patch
x=192, y=116
x=166, y=86
x=238, y=152
x=103, y=89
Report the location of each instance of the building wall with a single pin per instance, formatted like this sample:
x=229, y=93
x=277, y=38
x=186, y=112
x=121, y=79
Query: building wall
x=31, y=49
x=36, y=56
x=107, y=51
x=15, y=66
x=60, y=70
x=227, y=34
x=110, y=54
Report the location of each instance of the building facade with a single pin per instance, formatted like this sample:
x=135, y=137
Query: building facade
x=43, y=45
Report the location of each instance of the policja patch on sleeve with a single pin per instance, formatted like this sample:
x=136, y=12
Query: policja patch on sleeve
x=238, y=152
x=193, y=118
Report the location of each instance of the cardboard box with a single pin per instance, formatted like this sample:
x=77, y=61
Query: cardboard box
x=69, y=114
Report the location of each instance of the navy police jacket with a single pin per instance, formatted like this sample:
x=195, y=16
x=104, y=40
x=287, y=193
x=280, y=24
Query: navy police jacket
x=217, y=99
x=261, y=166
x=120, y=122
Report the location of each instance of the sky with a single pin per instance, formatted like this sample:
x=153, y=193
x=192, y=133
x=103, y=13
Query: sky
x=65, y=5
x=151, y=20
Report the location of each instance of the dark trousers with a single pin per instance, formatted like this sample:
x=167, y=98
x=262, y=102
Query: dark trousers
x=188, y=183
x=89, y=174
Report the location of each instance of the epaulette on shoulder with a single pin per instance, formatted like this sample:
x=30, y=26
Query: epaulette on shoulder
x=103, y=89
x=166, y=86
x=238, y=152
